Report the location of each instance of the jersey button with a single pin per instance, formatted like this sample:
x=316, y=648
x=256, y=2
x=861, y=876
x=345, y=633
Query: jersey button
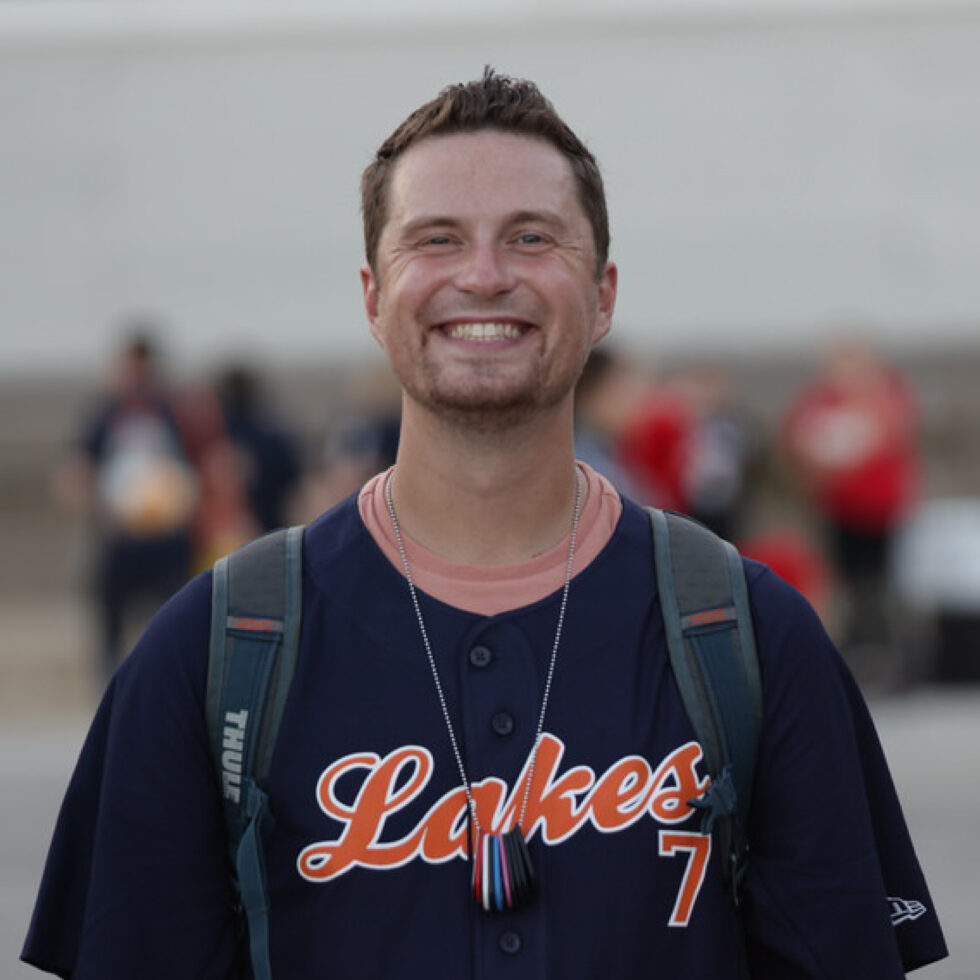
x=510, y=942
x=502, y=723
x=480, y=656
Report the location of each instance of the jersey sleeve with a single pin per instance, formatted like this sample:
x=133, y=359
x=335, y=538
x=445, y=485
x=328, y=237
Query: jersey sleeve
x=834, y=888
x=136, y=882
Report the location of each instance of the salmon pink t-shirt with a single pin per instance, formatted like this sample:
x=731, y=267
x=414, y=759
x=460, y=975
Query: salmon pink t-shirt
x=493, y=589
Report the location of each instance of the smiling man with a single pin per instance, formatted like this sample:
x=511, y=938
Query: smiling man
x=484, y=766
x=491, y=299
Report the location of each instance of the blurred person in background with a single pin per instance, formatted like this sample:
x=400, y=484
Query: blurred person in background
x=268, y=453
x=607, y=396
x=223, y=518
x=360, y=440
x=656, y=442
x=851, y=438
x=133, y=471
x=691, y=446
x=723, y=446
x=789, y=551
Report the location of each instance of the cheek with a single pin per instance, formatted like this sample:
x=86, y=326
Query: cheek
x=576, y=304
x=406, y=295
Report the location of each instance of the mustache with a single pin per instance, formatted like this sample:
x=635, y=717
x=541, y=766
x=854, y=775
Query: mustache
x=523, y=313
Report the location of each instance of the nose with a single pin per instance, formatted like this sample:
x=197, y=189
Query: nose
x=484, y=270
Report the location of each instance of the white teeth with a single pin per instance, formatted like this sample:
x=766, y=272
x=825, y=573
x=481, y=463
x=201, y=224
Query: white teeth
x=483, y=331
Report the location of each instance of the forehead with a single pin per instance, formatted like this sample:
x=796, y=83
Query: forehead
x=482, y=174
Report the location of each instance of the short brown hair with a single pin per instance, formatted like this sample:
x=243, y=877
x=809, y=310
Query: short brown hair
x=511, y=105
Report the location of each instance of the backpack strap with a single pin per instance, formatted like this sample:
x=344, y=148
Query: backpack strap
x=255, y=614
x=708, y=623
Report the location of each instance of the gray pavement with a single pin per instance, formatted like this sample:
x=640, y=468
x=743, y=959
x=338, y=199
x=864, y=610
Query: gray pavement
x=932, y=739
x=36, y=759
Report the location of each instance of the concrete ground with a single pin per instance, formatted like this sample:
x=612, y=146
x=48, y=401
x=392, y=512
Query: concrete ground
x=931, y=737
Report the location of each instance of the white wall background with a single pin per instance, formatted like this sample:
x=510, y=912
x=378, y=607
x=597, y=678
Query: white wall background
x=770, y=168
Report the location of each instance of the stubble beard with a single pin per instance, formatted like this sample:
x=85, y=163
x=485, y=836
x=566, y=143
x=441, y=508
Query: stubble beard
x=485, y=404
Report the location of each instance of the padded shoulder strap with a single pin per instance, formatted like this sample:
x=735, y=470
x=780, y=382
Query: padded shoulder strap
x=255, y=620
x=255, y=612
x=708, y=624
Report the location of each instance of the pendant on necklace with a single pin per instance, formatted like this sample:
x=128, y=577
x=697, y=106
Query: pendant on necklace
x=503, y=877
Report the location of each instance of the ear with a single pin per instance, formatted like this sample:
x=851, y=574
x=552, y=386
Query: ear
x=608, y=282
x=372, y=301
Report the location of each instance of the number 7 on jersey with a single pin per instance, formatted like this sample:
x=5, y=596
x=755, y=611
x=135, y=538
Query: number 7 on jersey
x=698, y=848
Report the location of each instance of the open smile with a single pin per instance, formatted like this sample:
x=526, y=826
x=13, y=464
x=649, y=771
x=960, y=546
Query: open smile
x=484, y=331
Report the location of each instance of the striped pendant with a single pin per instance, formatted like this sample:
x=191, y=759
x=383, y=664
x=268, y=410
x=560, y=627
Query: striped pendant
x=503, y=878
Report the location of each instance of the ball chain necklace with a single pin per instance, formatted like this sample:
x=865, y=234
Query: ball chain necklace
x=503, y=876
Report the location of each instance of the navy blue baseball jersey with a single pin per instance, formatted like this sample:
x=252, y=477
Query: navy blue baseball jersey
x=368, y=863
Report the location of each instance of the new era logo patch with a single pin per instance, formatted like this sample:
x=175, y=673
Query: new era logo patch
x=905, y=910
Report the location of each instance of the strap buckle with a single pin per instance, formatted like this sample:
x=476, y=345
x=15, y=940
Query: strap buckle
x=718, y=801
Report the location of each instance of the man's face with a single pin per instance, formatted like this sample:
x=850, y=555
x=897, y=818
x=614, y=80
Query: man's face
x=484, y=294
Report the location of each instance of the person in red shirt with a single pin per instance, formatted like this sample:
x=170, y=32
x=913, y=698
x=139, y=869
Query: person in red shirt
x=851, y=438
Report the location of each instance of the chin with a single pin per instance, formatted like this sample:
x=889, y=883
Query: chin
x=487, y=402
x=486, y=419
x=497, y=410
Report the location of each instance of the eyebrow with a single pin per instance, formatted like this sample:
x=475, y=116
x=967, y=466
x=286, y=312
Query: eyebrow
x=429, y=221
x=550, y=218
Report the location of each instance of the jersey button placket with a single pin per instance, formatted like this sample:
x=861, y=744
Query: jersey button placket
x=502, y=723
x=480, y=656
x=501, y=676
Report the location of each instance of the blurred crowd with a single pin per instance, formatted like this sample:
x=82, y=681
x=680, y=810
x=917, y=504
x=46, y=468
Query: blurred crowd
x=173, y=474
x=846, y=455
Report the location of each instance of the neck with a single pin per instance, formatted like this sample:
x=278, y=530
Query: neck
x=485, y=498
